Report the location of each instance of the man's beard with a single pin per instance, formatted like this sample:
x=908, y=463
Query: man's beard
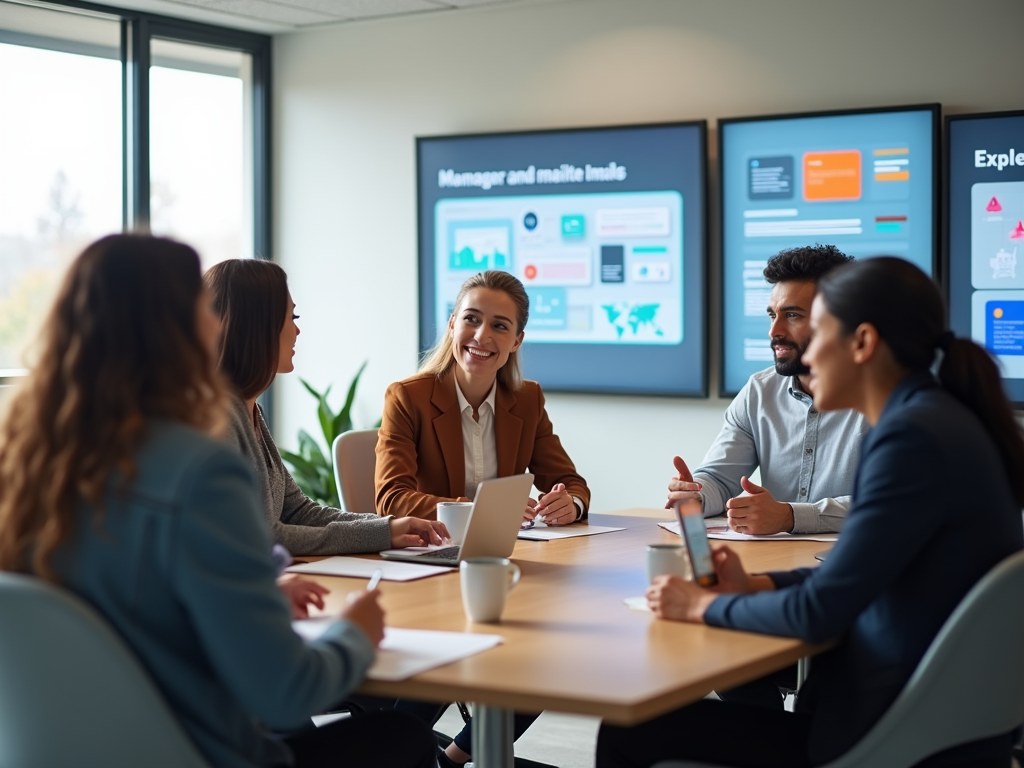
x=794, y=367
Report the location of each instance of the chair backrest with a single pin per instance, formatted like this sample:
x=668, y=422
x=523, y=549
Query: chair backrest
x=968, y=686
x=355, y=459
x=72, y=693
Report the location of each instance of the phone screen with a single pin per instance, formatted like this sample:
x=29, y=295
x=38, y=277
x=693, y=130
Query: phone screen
x=691, y=525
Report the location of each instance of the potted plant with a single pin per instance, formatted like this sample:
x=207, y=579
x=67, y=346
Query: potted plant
x=313, y=467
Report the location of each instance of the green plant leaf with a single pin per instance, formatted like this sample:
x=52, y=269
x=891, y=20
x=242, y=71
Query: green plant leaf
x=312, y=452
x=300, y=466
x=310, y=389
x=324, y=414
x=343, y=419
x=313, y=469
x=326, y=417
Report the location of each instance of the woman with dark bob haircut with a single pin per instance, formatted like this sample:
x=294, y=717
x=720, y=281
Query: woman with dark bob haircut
x=116, y=487
x=936, y=505
x=258, y=342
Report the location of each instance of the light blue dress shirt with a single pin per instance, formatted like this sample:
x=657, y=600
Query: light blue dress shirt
x=807, y=458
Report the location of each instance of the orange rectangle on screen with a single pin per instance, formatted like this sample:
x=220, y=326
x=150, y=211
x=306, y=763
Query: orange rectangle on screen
x=893, y=176
x=832, y=175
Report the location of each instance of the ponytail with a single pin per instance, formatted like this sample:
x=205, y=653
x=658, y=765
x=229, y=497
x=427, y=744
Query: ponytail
x=906, y=308
x=970, y=374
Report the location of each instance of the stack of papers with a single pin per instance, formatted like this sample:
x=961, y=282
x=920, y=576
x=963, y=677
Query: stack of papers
x=719, y=530
x=361, y=568
x=407, y=652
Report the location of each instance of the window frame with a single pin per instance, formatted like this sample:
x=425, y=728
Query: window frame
x=138, y=28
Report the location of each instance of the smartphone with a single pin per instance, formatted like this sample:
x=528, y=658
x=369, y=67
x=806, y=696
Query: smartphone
x=690, y=514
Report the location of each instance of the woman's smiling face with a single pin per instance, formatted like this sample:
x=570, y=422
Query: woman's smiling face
x=484, y=332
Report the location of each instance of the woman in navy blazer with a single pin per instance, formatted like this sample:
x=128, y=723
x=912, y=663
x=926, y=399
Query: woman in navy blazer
x=114, y=488
x=936, y=504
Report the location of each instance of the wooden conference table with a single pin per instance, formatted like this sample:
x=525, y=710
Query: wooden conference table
x=571, y=644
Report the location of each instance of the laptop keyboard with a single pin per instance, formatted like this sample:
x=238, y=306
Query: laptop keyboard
x=448, y=553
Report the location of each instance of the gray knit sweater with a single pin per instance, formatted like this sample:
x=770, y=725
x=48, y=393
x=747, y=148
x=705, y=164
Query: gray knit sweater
x=296, y=522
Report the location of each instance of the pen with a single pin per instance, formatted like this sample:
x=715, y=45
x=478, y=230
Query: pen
x=374, y=580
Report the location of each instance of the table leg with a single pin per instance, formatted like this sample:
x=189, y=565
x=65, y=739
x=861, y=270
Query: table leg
x=492, y=737
x=803, y=668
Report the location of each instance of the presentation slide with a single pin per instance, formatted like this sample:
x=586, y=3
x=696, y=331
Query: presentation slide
x=604, y=227
x=986, y=238
x=863, y=181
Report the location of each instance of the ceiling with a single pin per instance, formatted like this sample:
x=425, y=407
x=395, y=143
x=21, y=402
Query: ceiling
x=277, y=16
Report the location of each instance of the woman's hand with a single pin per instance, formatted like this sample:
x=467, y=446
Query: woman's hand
x=301, y=594
x=530, y=513
x=556, y=507
x=416, y=532
x=731, y=575
x=672, y=597
x=365, y=612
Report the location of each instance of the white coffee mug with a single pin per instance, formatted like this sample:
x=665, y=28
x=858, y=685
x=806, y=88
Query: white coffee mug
x=485, y=585
x=455, y=516
x=667, y=559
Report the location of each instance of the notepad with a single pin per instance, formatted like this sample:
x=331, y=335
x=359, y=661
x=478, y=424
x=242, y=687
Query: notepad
x=724, y=532
x=359, y=567
x=407, y=652
x=541, y=532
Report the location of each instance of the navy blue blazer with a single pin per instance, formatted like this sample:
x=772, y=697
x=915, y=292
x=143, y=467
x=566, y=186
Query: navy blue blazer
x=932, y=513
x=179, y=563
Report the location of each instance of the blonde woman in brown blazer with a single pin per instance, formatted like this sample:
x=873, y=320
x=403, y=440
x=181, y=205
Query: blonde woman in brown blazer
x=466, y=417
x=469, y=416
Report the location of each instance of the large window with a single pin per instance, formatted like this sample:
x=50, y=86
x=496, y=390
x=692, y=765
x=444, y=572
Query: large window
x=116, y=120
x=200, y=148
x=61, y=153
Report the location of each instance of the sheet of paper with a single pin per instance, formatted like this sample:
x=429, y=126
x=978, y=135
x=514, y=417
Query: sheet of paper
x=408, y=652
x=362, y=568
x=541, y=532
x=719, y=530
x=414, y=550
x=637, y=604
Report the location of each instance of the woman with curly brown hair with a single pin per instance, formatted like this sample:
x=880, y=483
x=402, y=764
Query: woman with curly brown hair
x=115, y=488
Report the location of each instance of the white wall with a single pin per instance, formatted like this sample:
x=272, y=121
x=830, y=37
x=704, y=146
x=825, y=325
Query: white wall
x=349, y=100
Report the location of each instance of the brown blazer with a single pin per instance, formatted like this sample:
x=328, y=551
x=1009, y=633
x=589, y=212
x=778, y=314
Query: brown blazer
x=420, y=459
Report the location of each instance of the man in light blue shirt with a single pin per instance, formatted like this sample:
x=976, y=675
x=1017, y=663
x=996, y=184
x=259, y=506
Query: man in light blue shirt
x=807, y=458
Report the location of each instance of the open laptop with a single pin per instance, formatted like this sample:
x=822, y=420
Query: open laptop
x=492, y=528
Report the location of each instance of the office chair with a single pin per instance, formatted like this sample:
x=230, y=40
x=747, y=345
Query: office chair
x=71, y=691
x=976, y=659
x=355, y=460
x=354, y=463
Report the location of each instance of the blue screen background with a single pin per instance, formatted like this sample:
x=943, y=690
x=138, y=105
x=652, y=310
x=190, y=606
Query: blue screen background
x=658, y=158
x=743, y=143
x=994, y=134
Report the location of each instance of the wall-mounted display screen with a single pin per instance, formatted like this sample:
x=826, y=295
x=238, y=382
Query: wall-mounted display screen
x=864, y=181
x=606, y=229
x=985, y=243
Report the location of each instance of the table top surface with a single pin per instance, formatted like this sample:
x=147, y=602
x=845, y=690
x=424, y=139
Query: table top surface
x=570, y=642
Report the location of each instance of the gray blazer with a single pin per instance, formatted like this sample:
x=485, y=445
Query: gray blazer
x=296, y=522
x=179, y=564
